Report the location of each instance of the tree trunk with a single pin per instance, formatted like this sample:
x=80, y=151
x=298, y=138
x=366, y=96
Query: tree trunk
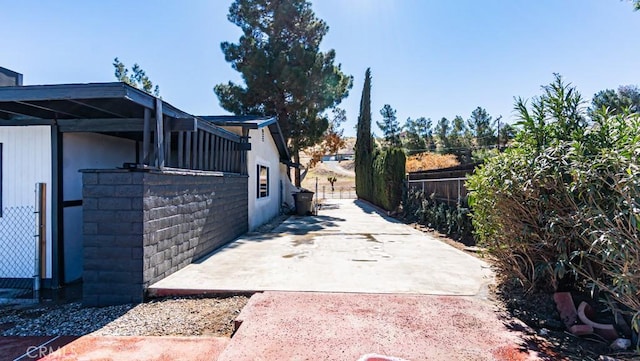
x=296, y=159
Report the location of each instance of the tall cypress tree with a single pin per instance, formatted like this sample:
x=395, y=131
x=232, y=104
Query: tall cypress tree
x=364, y=144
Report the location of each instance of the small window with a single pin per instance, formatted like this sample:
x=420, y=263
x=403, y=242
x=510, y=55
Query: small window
x=263, y=181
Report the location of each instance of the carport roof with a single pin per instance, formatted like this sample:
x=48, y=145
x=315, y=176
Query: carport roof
x=254, y=122
x=78, y=101
x=91, y=107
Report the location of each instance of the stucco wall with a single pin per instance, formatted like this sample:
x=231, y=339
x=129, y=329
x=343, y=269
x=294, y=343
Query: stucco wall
x=140, y=227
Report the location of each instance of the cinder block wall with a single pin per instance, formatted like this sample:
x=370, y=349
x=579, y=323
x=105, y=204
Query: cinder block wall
x=140, y=227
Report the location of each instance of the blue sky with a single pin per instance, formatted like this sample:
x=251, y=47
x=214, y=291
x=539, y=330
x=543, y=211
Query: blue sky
x=428, y=58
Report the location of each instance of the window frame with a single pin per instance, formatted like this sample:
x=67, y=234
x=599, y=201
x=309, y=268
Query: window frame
x=262, y=190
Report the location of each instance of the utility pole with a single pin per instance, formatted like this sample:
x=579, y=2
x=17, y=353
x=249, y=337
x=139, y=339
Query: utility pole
x=498, y=137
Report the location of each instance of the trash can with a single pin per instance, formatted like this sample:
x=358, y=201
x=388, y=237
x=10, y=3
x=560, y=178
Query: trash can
x=303, y=200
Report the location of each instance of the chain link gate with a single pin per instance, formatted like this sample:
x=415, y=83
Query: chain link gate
x=19, y=248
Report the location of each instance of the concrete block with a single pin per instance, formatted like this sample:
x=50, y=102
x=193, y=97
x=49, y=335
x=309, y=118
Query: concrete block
x=97, y=240
x=157, y=258
x=149, y=251
x=126, y=240
x=90, y=300
x=110, y=203
x=128, y=191
x=115, y=229
x=149, y=274
x=98, y=215
x=137, y=228
x=112, y=300
x=89, y=228
x=90, y=276
x=162, y=268
x=97, y=191
x=89, y=178
x=112, y=277
x=114, y=178
x=89, y=203
x=137, y=203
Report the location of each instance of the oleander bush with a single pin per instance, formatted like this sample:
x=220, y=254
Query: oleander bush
x=562, y=204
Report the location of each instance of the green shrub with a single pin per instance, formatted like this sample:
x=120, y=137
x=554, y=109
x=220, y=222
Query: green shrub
x=388, y=178
x=454, y=221
x=564, y=200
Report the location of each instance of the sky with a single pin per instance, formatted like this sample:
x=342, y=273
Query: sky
x=428, y=58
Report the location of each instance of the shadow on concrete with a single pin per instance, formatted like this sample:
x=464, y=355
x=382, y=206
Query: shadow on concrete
x=294, y=225
x=304, y=225
x=370, y=208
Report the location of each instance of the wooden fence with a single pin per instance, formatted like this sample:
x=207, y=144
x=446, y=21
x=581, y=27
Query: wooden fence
x=446, y=185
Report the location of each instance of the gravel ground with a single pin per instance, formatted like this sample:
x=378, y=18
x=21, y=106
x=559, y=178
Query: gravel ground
x=189, y=316
x=170, y=317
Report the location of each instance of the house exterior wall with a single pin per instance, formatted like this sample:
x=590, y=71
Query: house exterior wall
x=26, y=160
x=263, y=152
x=85, y=151
x=140, y=227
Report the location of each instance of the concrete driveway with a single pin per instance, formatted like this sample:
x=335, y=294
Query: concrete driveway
x=348, y=247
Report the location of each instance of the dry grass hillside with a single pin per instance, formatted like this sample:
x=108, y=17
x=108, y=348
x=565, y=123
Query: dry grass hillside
x=429, y=161
x=343, y=171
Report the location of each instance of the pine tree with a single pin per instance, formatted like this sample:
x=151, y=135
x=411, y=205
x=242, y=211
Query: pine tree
x=285, y=73
x=364, y=144
x=390, y=127
x=137, y=79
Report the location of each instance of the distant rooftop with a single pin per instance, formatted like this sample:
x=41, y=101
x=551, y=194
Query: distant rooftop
x=247, y=121
x=10, y=77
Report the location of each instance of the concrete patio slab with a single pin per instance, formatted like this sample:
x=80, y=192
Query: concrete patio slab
x=348, y=247
x=340, y=326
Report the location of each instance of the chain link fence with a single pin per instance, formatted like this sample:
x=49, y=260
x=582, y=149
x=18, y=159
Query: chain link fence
x=17, y=249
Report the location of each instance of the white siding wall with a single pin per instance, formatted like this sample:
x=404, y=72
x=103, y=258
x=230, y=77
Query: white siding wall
x=26, y=160
x=263, y=153
x=85, y=151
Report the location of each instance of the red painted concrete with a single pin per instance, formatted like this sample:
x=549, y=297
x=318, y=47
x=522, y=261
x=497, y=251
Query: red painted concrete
x=32, y=347
x=339, y=326
x=141, y=349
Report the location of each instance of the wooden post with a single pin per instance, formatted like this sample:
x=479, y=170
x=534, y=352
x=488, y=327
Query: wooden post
x=41, y=236
x=159, y=135
x=207, y=150
x=167, y=142
x=201, y=137
x=146, y=136
x=180, y=149
x=194, y=149
x=187, y=149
